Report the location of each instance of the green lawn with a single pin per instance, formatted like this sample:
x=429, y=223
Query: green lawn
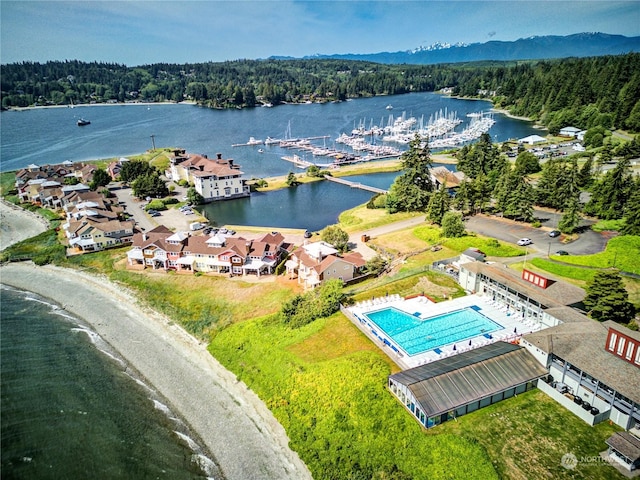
x=326, y=385
x=622, y=252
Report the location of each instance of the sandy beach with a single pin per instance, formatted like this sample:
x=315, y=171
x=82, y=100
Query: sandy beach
x=246, y=440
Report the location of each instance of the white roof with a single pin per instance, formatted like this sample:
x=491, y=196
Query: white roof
x=177, y=237
x=532, y=139
x=569, y=129
x=319, y=249
x=135, y=253
x=216, y=239
x=188, y=260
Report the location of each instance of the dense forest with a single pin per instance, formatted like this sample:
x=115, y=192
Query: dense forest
x=585, y=92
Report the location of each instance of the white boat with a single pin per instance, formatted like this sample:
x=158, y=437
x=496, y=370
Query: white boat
x=261, y=150
x=389, y=107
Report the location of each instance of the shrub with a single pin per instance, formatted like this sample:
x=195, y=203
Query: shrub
x=155, y=205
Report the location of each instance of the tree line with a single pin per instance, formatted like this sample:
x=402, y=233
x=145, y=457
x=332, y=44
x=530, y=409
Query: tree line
x=585, y=92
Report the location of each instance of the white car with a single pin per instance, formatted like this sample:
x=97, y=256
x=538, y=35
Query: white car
x=524, y=241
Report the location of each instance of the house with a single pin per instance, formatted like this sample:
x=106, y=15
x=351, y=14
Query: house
x=216, y=179
x=113, y=169
x=569, y=132
x=443, y=176
x=184, y=253
x=316, y=262
x=89, y=235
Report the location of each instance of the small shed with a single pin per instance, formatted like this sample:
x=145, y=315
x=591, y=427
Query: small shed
x=625, y=449
x=472, y=255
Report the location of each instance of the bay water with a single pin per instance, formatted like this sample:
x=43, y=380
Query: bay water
x=71, y=408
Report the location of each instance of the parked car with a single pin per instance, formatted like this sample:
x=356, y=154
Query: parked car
x=554, y=233
x=307, y=234
x=524, y=241
x=223, y=231
x=562, y=252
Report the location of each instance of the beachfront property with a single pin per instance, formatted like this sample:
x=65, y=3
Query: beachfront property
x=94, y=222
x=316, y=262
x=162, y=249
x=214, y=179
x=512, y=332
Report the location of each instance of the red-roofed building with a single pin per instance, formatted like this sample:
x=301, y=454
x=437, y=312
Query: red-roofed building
x=216, y=179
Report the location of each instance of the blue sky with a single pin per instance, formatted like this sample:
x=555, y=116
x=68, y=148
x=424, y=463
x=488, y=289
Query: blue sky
x=141, y=32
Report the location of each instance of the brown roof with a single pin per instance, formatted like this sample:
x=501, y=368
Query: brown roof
x=201, y=166
x=582, y=343
x=557, y=293
x=625, y=443
x=443, y=174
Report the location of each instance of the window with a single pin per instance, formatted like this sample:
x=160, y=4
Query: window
x=612, y=341
x=621, y=346
x=629, y=350
x=637, y=360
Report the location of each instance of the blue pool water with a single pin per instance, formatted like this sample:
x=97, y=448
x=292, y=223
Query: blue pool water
x=415, y=335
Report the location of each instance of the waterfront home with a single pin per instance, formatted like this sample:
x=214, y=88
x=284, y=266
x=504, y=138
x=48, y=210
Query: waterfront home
x=90, y=235
x=316, y=262
x=182, y=252
x=214, y=179
x=113, y=169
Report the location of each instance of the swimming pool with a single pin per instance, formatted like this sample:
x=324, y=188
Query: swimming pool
x=415, y=335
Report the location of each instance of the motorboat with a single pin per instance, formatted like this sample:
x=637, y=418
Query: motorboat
x=82, y=122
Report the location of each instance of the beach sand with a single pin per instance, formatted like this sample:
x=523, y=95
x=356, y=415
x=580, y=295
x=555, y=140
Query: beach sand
x=17, y=224
x=245, y=438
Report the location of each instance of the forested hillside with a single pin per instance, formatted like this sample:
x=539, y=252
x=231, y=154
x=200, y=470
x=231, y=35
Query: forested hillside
x=584, y=92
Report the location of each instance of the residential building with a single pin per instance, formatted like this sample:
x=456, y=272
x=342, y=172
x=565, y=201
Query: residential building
x=216, y=179
x=316, y=262
x=185, y=253
x=569, y=132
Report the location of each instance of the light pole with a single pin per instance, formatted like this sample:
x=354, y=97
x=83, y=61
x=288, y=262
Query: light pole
x=153, y=141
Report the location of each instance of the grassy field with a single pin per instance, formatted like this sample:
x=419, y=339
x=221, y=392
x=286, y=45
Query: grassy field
x=621, y=252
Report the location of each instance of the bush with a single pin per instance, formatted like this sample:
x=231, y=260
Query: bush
x=170, y=201
x=319, y=303
x=155, y=205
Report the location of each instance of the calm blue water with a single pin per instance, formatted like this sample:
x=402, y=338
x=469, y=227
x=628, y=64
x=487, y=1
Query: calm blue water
x=417, y=336
x=70, y=411
x=51, y=135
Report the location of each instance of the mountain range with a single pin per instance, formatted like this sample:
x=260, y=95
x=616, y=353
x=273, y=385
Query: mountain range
x=539, y=47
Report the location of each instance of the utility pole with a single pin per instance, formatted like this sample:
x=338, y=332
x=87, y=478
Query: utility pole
x=153, y=141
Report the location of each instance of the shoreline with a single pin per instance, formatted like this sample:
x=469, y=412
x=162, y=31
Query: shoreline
x=82, y=105
x=236, y=427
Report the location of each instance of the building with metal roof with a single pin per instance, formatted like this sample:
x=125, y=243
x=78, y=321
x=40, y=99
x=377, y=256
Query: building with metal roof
x=454, y=386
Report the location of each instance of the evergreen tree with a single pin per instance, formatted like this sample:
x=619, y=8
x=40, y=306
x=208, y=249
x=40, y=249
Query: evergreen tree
x=452, y=225
x=609, y=196
x=411, y=190
x=607, y=298
x=527, y=163
x=585, y=177
x=133, y=169
x=632, y=212
x=571, y=215
x=515, y=197
x=439, y=205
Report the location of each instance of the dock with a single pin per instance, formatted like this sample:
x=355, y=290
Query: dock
x=359, y=185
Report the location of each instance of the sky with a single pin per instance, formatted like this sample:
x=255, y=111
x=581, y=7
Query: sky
x=143, y=32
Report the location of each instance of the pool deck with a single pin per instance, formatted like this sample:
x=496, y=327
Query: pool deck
x=514, y=326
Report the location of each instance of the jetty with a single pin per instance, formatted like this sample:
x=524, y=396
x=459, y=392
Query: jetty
x=359, y=185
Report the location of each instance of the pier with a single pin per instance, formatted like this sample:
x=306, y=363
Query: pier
x=355, y=184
